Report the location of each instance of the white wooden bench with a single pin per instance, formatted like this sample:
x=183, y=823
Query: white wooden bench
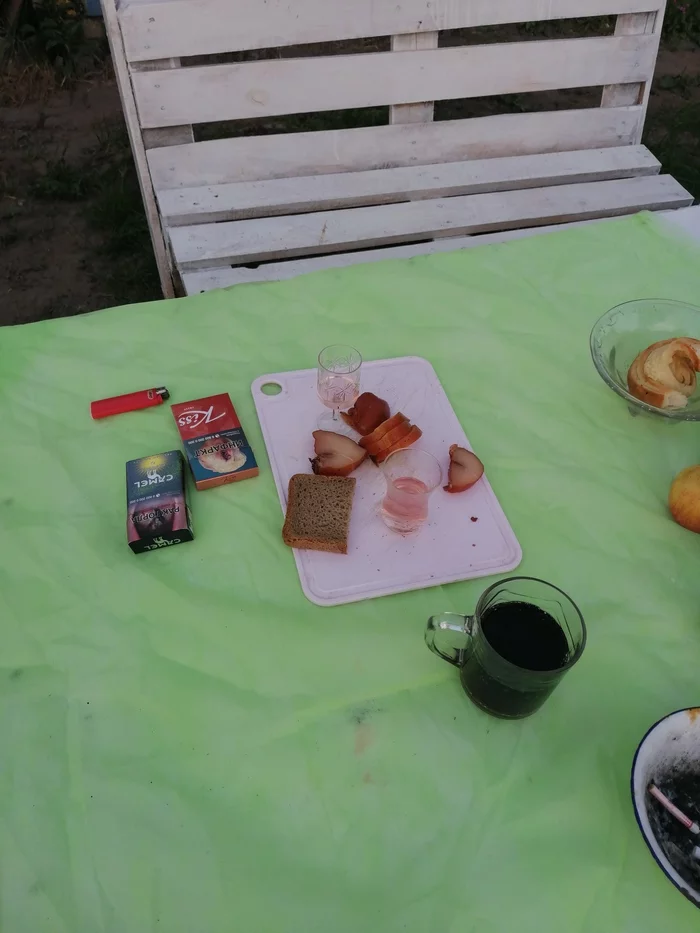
x=262, y=207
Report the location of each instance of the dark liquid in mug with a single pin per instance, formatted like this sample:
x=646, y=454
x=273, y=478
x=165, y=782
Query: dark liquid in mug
x=527, y=637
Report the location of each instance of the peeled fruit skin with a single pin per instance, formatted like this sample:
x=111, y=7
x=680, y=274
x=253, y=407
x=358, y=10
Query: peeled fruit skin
x=336, y=455
x=368, y=412
x=684, y=499
x=464, y=471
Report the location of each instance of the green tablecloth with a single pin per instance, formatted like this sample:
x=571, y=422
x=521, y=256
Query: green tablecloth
x=189, y=746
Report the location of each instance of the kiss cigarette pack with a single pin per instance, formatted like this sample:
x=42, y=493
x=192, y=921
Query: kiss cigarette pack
x=215, y=443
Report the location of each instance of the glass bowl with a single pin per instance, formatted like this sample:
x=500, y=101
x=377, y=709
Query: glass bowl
x=626, y=330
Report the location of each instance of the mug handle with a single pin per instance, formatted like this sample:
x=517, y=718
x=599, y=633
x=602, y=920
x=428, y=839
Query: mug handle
x=436, y=634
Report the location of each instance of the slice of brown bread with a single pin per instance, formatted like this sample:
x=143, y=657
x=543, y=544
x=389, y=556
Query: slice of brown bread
x=318, y=512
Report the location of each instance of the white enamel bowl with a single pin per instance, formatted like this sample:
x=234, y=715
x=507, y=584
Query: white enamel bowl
x=673, y=742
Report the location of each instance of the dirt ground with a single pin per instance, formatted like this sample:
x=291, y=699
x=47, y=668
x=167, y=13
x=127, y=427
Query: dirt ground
x=49, y=260
x=72, y=233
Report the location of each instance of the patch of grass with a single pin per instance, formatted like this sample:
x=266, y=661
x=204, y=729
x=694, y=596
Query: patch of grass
x=23, y=80
x=62, y=181
x=53, y=32
x=44, y=47
x=682, y=20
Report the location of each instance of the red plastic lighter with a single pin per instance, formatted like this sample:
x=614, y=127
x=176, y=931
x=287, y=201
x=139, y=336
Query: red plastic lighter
x=134, y=401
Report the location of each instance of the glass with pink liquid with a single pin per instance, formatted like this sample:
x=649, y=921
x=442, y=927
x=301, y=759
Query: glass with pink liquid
x=411, y=476
x=338, y=384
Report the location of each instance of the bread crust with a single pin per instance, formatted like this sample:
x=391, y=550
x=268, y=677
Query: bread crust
x=293, y=538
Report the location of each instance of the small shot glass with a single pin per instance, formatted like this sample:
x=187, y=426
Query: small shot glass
x=411, y=476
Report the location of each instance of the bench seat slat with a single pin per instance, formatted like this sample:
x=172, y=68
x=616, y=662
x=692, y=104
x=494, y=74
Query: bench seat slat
x=255, y=158
x=238, y=201
x=242, y=241
x=204, y=280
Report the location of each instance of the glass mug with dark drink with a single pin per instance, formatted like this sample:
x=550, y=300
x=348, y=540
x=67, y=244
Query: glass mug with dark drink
x=525, y=634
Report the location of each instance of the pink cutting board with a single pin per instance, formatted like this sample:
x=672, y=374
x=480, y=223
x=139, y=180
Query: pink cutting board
x=450, y=547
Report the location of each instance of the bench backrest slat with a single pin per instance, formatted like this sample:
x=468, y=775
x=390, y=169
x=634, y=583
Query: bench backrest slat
x=275, y=87
x=168, y=28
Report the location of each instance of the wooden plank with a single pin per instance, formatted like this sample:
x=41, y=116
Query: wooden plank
x=686, y=219
x=211, y=93
x=244, y=241
x=413, y=113
x=164, y=135
x=255, y=158
x=209, y=27
x=280, y=196
x=206, y=280
x=625, y=95
x=137, y=147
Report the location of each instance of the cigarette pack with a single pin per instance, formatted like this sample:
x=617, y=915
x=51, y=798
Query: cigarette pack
x=215, y=443
x=156, y=502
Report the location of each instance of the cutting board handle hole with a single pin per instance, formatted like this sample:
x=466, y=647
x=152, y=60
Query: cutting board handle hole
x=271, y=388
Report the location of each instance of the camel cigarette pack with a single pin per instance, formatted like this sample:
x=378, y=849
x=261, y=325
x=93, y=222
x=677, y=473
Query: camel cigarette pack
x=156, y=502
x=215, y=443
